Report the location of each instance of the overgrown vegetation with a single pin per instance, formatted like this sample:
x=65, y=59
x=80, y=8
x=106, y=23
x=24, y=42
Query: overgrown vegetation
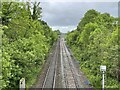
x=95, y=43
x=26, y=41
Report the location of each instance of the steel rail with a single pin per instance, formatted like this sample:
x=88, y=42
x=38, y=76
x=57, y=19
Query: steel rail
x=48, y=70
x=76, y=78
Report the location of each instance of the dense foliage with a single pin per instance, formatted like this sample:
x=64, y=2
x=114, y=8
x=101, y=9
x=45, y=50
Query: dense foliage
x=26, y=41
x=95, y=43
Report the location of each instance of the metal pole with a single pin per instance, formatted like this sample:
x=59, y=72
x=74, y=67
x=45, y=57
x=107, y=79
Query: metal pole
x=103, y=82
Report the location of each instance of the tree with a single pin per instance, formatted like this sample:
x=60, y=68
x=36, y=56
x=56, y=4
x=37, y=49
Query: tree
x=36, y=14
x=89, y=16
x=97, y=44
x=6, y=12
x=25, y=44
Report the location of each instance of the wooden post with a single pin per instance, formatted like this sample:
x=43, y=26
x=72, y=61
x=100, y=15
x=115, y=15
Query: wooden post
x=22, y=84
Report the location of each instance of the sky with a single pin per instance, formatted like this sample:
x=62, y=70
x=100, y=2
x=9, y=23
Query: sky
x=66, y=14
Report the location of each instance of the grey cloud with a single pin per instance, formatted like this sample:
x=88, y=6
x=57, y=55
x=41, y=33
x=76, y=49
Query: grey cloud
x=62, y=14
x=58, y=14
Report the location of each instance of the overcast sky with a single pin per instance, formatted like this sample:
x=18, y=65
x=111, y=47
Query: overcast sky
x=65, y=16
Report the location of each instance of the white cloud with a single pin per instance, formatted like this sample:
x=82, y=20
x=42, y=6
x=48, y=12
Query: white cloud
x=77, y=0
x=64, y=29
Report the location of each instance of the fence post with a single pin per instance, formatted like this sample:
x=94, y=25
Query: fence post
x=22, y=84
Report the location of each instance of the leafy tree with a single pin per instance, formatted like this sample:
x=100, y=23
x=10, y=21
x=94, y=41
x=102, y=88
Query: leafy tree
x=97, y=44
x=25, y=44
x=6, y=12
x=89, y=16
x=36, y=14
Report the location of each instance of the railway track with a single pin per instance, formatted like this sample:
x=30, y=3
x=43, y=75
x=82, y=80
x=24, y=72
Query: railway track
x=60, y=70
x=70, y=74
x=50, y=77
